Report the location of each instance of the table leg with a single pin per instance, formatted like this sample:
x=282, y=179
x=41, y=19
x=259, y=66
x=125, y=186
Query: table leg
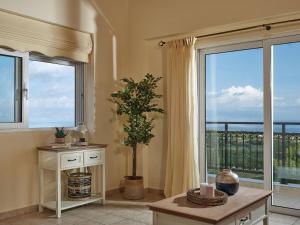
x=155, y=222
x=41, y=184
x=58, y=193
x=103, y=184
x=266, y=220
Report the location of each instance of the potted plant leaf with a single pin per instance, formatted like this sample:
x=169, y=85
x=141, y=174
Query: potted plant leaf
x=60, y=135
x=135, y=102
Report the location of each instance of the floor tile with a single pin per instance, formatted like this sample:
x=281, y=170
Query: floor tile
x=283, y=219
x=129, y=222
x=145, y=218
x=107, y=219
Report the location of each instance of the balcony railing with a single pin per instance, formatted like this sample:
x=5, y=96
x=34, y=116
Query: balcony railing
x=241, y=149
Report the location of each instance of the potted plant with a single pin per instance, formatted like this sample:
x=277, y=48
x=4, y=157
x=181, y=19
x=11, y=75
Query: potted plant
x=135, y=102
x=60, y=135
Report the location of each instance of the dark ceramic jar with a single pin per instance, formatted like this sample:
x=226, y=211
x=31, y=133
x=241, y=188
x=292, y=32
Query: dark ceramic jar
x=227, y=181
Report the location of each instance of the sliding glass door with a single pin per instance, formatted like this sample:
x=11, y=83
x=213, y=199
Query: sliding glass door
x=250, y=116
x=286, y=128
x=234, y=112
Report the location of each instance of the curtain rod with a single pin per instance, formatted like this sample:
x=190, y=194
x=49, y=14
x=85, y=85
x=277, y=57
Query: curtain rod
x=266, y=26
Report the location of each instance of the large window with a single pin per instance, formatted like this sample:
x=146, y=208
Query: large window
x=39, y=92
x=249, y=113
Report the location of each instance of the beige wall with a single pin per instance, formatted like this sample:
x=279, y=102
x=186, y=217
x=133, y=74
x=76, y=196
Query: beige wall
x=18, y=157
x=157, y=18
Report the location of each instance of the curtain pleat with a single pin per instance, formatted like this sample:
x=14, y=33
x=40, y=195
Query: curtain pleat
x=182, y=170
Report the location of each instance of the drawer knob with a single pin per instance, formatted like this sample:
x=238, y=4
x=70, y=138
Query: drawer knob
x=93, y=157
x=244, y=220
x=71, y=160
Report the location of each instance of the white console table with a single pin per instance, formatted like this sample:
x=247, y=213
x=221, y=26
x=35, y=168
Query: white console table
x=59, y=160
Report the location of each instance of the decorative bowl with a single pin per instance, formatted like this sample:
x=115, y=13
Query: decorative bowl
x=220, y=198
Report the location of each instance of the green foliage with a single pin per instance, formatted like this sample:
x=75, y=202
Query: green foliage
x=135, y=101
x=60, y=132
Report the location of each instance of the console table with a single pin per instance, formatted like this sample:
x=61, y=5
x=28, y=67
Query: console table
x=59, y=160
x=248, y=207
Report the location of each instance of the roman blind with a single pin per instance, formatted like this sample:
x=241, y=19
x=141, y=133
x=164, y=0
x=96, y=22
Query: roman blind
x=29, y=35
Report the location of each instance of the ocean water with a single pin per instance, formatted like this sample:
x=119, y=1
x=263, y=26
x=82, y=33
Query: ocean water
x=254, y=128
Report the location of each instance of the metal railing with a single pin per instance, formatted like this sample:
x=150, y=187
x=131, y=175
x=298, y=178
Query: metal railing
x=240, y=147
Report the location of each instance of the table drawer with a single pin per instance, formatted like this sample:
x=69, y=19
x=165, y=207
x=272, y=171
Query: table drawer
x=70, y=160
x=258, y=213
x=93, y=157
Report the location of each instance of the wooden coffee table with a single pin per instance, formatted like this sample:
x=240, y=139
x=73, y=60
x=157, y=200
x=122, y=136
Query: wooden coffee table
x=248, y=207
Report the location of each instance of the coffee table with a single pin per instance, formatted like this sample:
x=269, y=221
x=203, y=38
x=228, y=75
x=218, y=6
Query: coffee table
x=248, y=207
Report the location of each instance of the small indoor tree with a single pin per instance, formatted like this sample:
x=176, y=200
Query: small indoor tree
x=135, y=101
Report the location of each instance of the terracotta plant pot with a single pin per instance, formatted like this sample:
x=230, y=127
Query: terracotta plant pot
x=60, y=140
x=133, y=188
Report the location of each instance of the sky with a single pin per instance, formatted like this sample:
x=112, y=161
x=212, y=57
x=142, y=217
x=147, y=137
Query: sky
x=51, y=93
x=234, y=84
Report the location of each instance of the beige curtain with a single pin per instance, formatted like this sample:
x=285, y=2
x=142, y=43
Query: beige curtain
x=182, y=170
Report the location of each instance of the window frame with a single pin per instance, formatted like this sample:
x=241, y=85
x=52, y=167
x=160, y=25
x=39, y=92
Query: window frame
x=24, y=91
x=79, y=87
x=79, y=83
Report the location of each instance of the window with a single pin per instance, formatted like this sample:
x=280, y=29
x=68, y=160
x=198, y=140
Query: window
x=234, y=112
x=12, y=89
x=55, y=92
x=249, y=116
x=39, y=92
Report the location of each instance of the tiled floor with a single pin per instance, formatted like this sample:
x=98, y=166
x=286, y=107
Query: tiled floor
x=92, y=214
x=111, y=215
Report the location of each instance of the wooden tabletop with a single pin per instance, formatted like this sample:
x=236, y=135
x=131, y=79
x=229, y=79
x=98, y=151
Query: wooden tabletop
x=72, y=148
x=180, y=206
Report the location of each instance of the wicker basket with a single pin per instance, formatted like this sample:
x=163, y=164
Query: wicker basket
x=194, y=196
x=79, y=185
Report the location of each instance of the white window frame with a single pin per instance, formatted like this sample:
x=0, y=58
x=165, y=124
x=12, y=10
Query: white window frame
x=266, y=44
x=24, y=120
x=79, y=88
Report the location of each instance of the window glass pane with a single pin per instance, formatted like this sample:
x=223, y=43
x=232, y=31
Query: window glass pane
x=286, y=129
x=234, y=114
x=51, y=95
x=10, y=89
